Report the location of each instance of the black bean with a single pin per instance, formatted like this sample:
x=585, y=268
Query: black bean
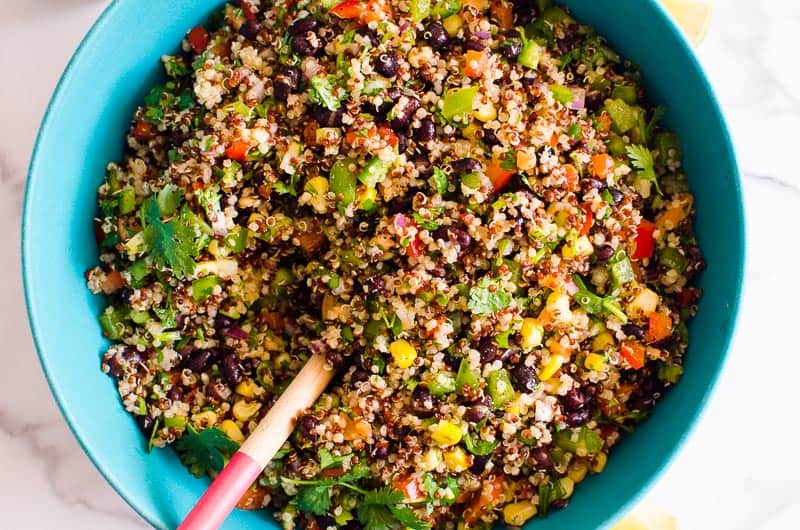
x=523, y=378
x=217, y=391
x=199, y=360
x=577, y=418
x=479, y=464
x=325, y=117
x=401, y=204
x=593, y=184
x=374, y=285
x=490, y=137
x=307, y=425
x=381, y=451
x=250, y=29
x=387, y=64
x=222, y=322
x=125, y=295
x=336, y=359
x=403, y=112
x=511, y=49
x=360, y=376
x=524, y=12
x=451, y=234
x=372, y=35
x=303, y=26
x=423, y=403
x=474, y=44
x=593, y=100
x=465, y=165
x=616, y=195
x=353, y=525
x=232, y=369
x=402, y=142
x=146, y=424
x=426, y=130
x=542, y=457
x=575, y=400
x=302, y=45
x=175, y=393
x=632, y=330
x=488, y=350
x=324, y=522
x=436, y=36
x=476, y=413
x=604, y=252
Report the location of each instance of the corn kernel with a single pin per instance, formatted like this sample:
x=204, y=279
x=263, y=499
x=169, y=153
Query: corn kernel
x=431, y=459
x=643, y=303
x=470, y=131
x=552, y=385
x=205, y=419
x=445, y=433
x=246, y=388
x=595, y=362
x=232, y=431
x=518, y=513
x=557, y=307
x=568, y=486
x=317, y=187
x=602, y=341
x=485, y=110
x=532, y=333
x=329, y=308
x=513, y=409
x=599, y=463
x=244, y=410
x=453, y=24
x=366, y=197
x=577, y=471
x=552, y=366
x=403, y=353
x=456, y=460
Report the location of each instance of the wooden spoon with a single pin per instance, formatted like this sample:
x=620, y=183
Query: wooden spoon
x=255, y=453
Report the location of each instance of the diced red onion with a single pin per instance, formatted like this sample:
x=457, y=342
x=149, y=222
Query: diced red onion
x=483, y=34
x=237, y=333
x=578, y=98
x=401, y=221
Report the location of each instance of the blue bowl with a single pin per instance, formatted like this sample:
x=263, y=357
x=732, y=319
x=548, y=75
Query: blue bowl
x=84, y=129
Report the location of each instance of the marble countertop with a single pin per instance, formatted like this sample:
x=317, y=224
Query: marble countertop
x=739, y=470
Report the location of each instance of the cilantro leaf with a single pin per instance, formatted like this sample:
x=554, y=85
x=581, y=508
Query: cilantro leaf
x=479, y=446
x=385, y=495
x=204, y=451
x=171, y=244
x=427, y=224
x=321, y=93
x=315, y=498
x=407, y=518
x=439, y=180
x=642, y=159
x=488, y=298
x=326, y=459
x=376, y=517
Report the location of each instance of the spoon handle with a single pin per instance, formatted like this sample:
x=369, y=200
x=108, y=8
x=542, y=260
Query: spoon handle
x=255, y=453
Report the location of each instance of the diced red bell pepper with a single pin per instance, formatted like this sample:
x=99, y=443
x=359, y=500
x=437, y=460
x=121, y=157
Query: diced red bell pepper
x=659, y=327
x=632, y=352
x=644, y=244
x=414, y=248
x=198, y=38
x=237, y=150
x=249, y=14
x=348, y=9
x=410, y=486
x=498, y=175
x=588, y=220
x=387, y=134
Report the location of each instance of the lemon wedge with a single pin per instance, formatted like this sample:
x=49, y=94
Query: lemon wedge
x=646, y=517
x=693, y=16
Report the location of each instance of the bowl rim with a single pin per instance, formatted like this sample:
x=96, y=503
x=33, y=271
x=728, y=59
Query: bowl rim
x=696, y=414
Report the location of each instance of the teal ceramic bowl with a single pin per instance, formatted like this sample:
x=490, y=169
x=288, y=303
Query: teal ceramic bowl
x=84, y=129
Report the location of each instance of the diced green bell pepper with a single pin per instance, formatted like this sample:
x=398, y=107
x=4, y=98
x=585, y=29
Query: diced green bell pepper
x=127, y=201
x=668, y=147
x=169, y=199
x=113, y=323
x=203, y=287
x=672, y=258
x=624, y=117
x=419, y=10
x=466, y=376
x=616, y=145
x=500, y=388
x=459, y=101
x=343, y=182
x=626, y=93
x=443, y=383
x=620, y=268
x=374, y=172
x=445, y=8
x=581, y=439
x=530, y=55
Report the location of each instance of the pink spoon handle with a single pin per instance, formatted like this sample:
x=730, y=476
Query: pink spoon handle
x=221, y=497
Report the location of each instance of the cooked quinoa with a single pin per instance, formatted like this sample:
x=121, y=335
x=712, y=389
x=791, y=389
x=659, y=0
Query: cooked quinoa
x=467, y=206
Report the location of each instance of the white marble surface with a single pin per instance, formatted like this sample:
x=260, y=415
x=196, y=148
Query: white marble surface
x=740, y=469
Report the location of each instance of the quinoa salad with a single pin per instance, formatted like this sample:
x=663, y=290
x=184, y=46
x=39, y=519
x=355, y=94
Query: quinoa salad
x=467, y=206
